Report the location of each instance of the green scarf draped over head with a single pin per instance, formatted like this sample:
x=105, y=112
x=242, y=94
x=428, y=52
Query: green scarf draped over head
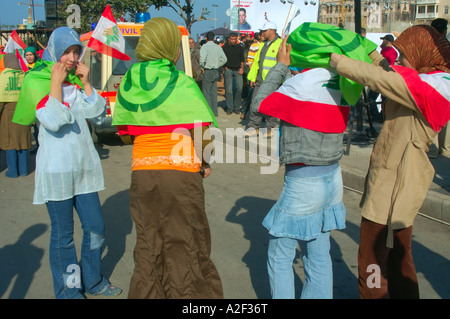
x=35, y=87
x=154, y=92
x=312, y=44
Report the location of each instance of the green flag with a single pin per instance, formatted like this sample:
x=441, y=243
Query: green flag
x=155, y=93
x=313, y=43
x=35, y=87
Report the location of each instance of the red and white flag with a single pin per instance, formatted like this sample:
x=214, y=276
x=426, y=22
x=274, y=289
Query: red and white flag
x=311, y=100
x=107, y=38
x=17, y=46
x=431, y=92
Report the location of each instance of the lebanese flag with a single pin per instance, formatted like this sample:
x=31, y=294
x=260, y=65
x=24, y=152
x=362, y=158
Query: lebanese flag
x=311, y=100
x=431, y=92
x=107, y=38
x=17, y=46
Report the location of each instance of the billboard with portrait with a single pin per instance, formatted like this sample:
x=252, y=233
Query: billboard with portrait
x=250, y=15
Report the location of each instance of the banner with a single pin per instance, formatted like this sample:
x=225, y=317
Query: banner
x=10, y=84
x=248, y=16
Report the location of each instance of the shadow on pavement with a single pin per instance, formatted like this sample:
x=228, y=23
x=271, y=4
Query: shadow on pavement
x=20, y=261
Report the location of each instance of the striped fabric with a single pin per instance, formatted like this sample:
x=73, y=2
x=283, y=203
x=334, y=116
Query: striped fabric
x=251, y=53
x=431, y=93
x=312, y=45
x=425, y=48
x=311, y=100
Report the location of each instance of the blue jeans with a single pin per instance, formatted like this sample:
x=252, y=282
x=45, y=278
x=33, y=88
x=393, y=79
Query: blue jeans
x=234, y=101
x=316, y=262
x=309, y=207
x=69, y=283
x=17, y=162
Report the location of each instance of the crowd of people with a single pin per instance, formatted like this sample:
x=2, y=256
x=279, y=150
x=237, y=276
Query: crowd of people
x=272, y=79
x=242, y=66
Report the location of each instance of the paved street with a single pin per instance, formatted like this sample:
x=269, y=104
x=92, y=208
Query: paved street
x=237, y=198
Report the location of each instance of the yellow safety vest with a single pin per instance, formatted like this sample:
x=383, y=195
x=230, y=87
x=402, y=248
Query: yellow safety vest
x=269, y=60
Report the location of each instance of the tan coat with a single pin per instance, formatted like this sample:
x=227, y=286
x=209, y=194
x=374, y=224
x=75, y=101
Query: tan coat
x=400, y=172
x=12, y=136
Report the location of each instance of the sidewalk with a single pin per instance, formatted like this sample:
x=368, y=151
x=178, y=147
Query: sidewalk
x=354, y=166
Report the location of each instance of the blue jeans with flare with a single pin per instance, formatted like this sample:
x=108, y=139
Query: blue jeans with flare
x=70, y=278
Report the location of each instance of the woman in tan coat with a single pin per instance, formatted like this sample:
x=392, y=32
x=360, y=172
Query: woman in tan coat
x=15, y=139
x=400, y=173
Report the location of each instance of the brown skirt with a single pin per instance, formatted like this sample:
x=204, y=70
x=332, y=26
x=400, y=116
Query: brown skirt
x=13, y=136
x=173, y=245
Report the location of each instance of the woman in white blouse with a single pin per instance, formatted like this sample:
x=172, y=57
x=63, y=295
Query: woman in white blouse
x=68, y=168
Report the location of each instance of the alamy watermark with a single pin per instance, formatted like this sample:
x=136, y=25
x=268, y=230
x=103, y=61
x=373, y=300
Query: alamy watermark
x=233, y=146
x=74, y=279
x=74, y=20
x=374, y=280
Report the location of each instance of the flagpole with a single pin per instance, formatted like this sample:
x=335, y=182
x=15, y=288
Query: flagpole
x=82, y=54
x=287, y=18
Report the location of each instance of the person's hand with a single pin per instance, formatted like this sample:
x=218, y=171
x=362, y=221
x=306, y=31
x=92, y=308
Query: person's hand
x=59, y=73
x=334, y=60
x=82, y=72
x=241, y=71
x=207, y=171
x=252, y=84
x=284, y=53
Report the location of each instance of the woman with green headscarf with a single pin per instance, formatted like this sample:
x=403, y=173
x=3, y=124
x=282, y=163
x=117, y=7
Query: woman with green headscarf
x=161, y=107
x=31, y=56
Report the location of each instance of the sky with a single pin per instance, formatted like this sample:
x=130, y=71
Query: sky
x=13, y=13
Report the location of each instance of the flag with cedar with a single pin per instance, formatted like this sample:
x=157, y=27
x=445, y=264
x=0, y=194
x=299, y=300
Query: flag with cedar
x=17, y=46
x=107, y=38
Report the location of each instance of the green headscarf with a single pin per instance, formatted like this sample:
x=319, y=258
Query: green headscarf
x=153, y=92
x=32, y=50
x=313, y=43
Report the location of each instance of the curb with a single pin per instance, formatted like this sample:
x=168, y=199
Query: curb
x=435, y=206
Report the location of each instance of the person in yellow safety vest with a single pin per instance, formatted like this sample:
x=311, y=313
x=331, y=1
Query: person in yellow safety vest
x=264, y=60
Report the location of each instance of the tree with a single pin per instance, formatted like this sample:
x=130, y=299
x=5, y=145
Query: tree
x=92, y=10
x=185, y=10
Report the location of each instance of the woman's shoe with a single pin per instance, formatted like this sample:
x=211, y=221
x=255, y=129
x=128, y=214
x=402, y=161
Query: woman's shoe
x=112, y=291
x=109, y=291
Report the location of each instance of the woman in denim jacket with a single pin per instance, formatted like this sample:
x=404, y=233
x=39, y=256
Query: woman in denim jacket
x=310, y=204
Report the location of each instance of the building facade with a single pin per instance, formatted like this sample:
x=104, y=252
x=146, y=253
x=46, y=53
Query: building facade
x=51, y=12
x=388, y=16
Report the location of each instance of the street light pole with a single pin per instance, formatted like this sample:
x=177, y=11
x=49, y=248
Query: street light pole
x=358, y=16
x=215, y=18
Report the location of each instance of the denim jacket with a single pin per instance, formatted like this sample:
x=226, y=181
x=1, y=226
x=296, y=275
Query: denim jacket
x=297, y=144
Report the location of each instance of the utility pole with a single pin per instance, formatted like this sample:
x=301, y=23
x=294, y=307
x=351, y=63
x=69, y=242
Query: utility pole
x=358, y=16
x=31, y=16
x=31, y=5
